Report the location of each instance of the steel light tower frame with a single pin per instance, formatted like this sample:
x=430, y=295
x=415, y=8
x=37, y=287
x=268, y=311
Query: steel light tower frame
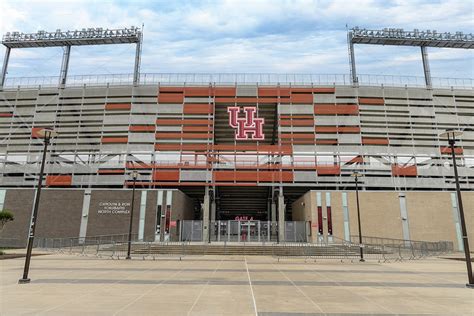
x=399, y=37
x=66, y=39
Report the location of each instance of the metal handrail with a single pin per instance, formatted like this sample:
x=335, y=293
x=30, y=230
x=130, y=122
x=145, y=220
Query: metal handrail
x=237, y=78
x=375, y=248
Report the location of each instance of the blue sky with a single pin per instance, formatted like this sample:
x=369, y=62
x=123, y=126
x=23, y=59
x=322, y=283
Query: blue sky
x=259, y=36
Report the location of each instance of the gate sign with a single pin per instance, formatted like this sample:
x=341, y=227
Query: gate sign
x=250, y=124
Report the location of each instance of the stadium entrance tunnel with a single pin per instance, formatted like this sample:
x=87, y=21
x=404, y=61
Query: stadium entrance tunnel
x=242, y=202
x=244, y=214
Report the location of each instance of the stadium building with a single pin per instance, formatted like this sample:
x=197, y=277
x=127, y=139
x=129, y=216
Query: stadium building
x=244, y=157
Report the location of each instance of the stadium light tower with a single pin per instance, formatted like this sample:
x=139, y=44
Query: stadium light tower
x=66, y=39
x=399, y=37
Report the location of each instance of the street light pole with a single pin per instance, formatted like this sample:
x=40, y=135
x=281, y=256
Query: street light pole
x=356, y=176
x=46, y=134
x=134, y=176
x=451, y=135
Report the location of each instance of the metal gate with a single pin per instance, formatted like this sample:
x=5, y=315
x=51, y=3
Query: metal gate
x=244, y=231
x=191, y=230
x=295, y=231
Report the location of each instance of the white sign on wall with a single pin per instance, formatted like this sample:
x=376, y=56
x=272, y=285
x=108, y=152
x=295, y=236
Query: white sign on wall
x=114, y=208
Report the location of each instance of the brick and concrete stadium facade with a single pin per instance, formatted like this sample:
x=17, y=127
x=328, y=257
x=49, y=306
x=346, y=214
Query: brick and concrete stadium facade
x=195, y=171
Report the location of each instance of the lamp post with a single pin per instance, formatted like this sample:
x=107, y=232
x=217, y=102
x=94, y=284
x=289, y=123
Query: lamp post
x=134, y=175
x=356, y=176
x=46, y=134
x=451, y=136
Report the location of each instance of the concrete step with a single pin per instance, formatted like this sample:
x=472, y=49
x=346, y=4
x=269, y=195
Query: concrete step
x=330, y=250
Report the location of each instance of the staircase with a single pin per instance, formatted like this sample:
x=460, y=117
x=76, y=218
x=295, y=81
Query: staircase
x=282, y=250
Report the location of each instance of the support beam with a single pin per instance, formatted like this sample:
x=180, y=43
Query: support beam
x=5, y=66
x=352, y=59
x=205, y=215
x=64, y=65
x=138, y=53
x=426, y=66
x=281, y=215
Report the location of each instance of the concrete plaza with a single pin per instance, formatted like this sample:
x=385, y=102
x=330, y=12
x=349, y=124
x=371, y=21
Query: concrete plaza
x=233, y=285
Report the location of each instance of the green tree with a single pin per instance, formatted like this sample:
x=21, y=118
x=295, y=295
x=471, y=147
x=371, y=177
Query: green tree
x=5, y=217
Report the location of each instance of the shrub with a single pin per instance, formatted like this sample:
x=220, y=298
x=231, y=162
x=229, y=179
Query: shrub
x=5, y=217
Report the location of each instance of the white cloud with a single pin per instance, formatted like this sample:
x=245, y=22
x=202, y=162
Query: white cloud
x=306, y=36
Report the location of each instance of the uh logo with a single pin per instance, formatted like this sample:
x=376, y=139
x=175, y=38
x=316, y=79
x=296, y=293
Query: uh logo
x=250, y=124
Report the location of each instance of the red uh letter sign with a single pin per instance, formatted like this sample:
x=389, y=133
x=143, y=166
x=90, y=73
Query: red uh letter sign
x=249, y=124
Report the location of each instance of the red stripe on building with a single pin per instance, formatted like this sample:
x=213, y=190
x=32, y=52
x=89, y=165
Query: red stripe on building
x=328, y=170
x=197, y=108
x=406, y=171
x=225, y=91
x=371, y=101
x=166, y=175
x=447, y=150
x=301, y=98
x=142, y=128
x=111, y=171
x=374, y=141
x=331, y=109
x=337, y=129
x=170, y=122
x=183, y=135
x=118, y=106
x=177, y=98
x=114, y=140
x=198, y=91
x=58, y=180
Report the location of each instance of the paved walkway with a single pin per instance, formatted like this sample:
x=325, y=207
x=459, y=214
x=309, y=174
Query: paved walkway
x=233, y=285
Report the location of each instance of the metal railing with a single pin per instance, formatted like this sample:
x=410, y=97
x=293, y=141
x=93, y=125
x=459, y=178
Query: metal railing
x=406, y=249
x=237, y=78
x=375, y=248
x=115, y=247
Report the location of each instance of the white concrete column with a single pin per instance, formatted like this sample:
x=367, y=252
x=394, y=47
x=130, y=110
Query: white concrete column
x=274, y=211
x=325, y=217
x=281, y=215
x=205, y=215
x=213, y=210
